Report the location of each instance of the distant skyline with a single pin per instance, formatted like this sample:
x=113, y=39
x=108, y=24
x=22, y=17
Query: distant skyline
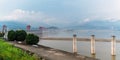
x=59, y=12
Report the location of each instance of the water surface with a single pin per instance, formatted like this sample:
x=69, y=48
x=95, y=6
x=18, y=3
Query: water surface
x=103, y=49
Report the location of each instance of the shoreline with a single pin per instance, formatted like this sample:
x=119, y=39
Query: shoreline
x=78, y=39
x=52, y=54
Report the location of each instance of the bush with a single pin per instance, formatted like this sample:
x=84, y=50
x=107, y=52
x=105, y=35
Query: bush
x=32, y=39
x=11, y=35
x=9, y=52
x=2, y=34
x=20, y=35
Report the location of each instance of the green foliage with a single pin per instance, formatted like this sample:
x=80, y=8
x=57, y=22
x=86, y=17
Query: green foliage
x=2, y=34
x=32, y=39
x=9, y=52
x=11, y=35
x=20, y=35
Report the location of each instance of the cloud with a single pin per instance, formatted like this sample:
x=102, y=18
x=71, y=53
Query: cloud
x=29, y=17
x=87, y=20
x=109, y=18
x=112, y=19
x=39, y=18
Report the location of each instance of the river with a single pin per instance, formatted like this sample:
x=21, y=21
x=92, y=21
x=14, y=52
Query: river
x=103, y=49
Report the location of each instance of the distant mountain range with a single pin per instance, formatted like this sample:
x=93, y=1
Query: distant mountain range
x=91, y=25
x=97, y=25
x=19, y=25
x=13, y=25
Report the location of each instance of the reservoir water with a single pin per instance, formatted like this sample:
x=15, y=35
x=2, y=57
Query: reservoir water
x=103, y=49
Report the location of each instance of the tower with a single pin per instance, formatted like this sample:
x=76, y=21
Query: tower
x=41, y=31
x=4, y=28
x=28, y=27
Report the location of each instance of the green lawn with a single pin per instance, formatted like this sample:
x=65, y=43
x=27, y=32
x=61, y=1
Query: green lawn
x=9, y=52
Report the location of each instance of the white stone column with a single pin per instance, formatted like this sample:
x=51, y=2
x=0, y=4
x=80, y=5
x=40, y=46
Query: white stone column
x=74, y=44
x=113, y=45
x=93, y=44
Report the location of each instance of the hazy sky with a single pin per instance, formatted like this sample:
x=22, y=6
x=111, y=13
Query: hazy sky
x=59, y=12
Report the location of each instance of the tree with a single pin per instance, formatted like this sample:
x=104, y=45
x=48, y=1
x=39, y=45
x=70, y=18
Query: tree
x=11, y=35
x=21, y=35
x=32, y=39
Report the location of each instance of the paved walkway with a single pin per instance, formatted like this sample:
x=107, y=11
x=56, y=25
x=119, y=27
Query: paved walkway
x=51, y=54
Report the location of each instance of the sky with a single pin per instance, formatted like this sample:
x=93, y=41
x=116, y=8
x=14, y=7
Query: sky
x=59, y=12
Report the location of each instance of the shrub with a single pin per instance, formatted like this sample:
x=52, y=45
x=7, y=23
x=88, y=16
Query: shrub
x=9, y=52
x=20, y=35
x=11, y=35
x=2, y=34
x=32, y=39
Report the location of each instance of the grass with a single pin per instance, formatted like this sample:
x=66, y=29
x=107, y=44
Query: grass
x=9, y=52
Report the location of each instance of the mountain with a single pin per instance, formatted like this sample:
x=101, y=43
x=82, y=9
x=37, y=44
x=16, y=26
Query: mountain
x=19, y=25
x=97, y=25
x=91, y=25
x=13, y=25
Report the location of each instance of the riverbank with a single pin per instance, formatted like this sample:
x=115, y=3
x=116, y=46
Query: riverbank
x=51, y=53
x=79, y=39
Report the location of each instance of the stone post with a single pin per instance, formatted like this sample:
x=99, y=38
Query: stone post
x=92, y=44
x=113, y=45
x=74, y=44
x=113, y=57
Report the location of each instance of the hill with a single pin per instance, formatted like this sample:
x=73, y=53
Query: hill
x=13, y=25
